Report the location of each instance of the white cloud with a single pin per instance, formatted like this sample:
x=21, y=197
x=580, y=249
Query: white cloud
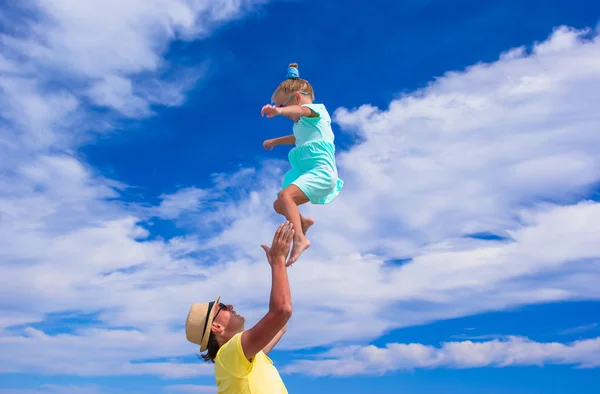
x=475, y=151
x=100, y=352
x=38, y=119
x=119, y=65
x=514, y=351
x=117, y=92
x=462, y=154
x=184, y=200
x=67, y=243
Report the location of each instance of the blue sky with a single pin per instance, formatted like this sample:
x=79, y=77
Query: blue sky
x=461, y=257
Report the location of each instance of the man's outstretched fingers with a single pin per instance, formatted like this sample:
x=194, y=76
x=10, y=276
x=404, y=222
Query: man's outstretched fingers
x=289, y=228
x=290, y=236
x=285, y=230
x=278, y=232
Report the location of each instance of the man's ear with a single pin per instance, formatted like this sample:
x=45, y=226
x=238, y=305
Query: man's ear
x=216, y=328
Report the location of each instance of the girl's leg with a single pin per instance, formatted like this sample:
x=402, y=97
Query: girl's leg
x=289, y=200
x=306, y=222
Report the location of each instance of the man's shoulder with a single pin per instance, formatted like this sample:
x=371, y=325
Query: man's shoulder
x=232, y=342
x=234, y=347
x=231, y=357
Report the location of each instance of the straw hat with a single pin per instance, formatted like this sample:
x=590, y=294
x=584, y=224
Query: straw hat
x=199, y=321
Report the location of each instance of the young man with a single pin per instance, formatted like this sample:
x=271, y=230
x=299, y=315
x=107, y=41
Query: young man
x=240, y=355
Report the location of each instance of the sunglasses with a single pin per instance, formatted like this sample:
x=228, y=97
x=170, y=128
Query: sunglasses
x=221, y=307
x=288, y=100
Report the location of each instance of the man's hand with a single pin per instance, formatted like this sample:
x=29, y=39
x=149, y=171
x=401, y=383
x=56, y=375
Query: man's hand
x=267, y=251
x=280, y=248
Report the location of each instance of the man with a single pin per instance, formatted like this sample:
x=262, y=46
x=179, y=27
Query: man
x=240, y=356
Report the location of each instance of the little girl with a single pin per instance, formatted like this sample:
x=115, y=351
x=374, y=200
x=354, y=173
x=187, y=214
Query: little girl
x=314, y=175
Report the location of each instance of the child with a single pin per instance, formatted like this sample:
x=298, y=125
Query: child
x=314, y=175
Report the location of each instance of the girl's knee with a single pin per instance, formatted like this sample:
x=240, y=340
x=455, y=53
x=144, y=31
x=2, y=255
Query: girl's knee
x=294, y=194
x=284, y=194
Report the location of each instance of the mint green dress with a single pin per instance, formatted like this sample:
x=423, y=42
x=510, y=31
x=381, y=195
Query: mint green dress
x=314, y=169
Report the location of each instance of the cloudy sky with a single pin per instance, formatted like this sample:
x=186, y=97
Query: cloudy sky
x=462, y=256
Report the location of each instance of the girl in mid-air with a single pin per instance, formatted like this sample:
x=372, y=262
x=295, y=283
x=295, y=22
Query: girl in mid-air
x=314, y=175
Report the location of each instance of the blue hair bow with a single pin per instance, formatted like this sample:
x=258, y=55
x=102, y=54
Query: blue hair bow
x=293, y=73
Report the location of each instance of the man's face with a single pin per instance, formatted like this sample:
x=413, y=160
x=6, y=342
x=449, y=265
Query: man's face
x=227, y=317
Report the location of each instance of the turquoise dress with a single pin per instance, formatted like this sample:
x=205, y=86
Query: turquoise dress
x=314, y=169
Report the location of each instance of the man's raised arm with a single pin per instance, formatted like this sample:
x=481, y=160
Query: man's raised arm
x=280, y=306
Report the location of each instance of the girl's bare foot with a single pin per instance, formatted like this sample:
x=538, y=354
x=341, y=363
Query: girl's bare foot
x=300, y=245
x=306, y=223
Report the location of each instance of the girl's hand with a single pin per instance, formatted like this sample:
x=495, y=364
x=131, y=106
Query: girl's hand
x=270, y=111
x=269, y=144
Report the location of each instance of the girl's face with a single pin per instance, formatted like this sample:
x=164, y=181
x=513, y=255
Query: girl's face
x=286, y=99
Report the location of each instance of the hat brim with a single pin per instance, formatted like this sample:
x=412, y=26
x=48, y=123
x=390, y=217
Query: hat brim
x=209, y=322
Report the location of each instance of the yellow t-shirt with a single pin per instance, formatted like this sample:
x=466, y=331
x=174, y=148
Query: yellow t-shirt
x=236, y=375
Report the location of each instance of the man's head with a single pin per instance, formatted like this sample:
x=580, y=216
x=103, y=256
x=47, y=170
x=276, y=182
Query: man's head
x=211, y=324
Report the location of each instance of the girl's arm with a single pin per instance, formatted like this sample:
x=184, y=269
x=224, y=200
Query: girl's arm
x=287, y=140
x=298, y=111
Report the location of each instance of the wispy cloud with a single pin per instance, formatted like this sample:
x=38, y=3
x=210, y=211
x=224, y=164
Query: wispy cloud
x=515, y=351
x=185, y=200
x=579, y=329
x=478, y=337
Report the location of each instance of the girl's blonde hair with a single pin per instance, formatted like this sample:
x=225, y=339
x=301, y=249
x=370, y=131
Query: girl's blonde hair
x=294, y=84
